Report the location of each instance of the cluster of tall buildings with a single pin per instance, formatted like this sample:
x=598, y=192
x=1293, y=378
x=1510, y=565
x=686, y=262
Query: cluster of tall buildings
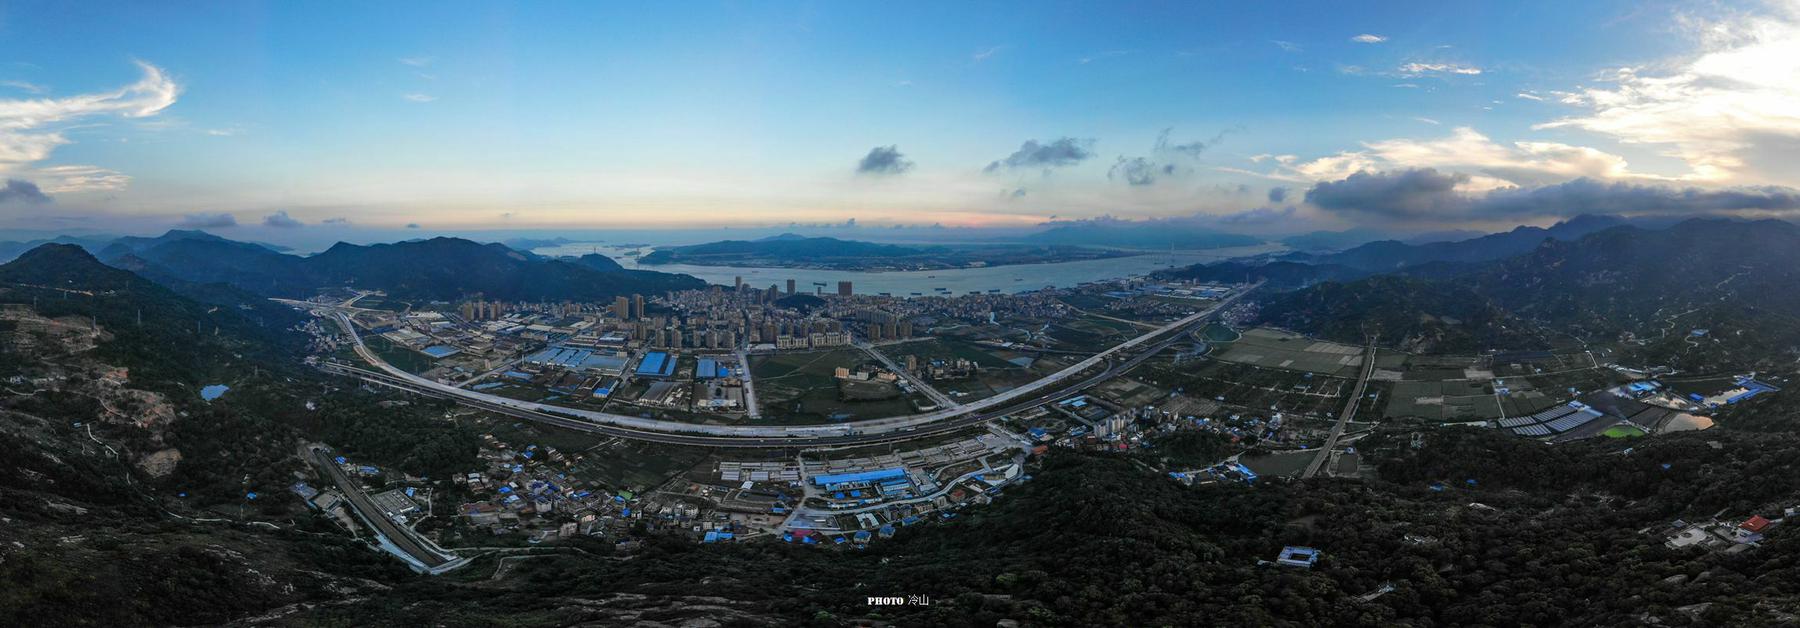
x=882, y=326
x=628, y=309
x=482, y=310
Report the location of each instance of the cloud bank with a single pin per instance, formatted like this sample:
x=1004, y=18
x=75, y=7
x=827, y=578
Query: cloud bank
x=1426, y=194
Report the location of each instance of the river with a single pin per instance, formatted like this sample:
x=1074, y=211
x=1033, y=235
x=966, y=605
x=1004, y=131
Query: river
x=1014, y=278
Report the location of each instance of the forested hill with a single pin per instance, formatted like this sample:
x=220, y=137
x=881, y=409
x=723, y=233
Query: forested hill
x=1415, y=315
x=1731, y=275
x=446, y=268
x=163, y=337
x=1628, y=278
x=433, y=269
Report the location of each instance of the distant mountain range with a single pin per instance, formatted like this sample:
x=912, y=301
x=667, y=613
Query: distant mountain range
x=1385, y=255
x=431, y=269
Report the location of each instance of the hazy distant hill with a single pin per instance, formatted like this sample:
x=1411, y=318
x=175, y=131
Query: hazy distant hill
x=794, y=251
x=1332, y=240
x=1388, y=255
x=785, y=248
x=1151, y=234
x=1279, y=275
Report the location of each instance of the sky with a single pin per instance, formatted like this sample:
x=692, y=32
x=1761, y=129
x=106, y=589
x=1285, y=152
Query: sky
x=277, y=120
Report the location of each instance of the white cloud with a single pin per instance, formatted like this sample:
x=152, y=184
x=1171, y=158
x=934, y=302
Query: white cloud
x=417, y=97
x=1366, y=38
x=985, y=53
x=418, y=61
x=31, y=129
x=25, y=86
x=1427, y=120
x=1286, y=46
x=1530, y=96
x=60, y=179
x=1105, y=54
x=1417, y=69
x=1496, y=165
x=1731, y=112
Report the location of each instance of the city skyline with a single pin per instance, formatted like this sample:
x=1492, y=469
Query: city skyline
x=266, y=120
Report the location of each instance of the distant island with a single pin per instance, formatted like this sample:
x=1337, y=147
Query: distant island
x=794, y=251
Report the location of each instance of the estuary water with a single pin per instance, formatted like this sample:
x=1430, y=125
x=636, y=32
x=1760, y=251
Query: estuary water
x=1005, y=279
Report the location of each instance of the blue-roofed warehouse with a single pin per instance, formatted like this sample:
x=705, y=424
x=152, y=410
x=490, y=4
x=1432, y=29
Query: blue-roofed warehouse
x=656, y=364
x=710, y=368
x=864, y=476
x=439, y=351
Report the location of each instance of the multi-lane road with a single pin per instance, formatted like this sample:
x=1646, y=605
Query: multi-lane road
x=427, y=558
x=1349, y=413
x=1086, y=373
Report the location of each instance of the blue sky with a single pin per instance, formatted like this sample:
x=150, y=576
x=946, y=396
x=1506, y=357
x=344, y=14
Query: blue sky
x=575, y=115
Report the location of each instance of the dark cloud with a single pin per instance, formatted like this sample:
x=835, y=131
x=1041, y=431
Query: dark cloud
x=1278, y=195
x=335, y=221
x=412, y=225
x=1403, y=194
x=1586, y=195
x=883, y=160
x=1258, y=216
x=1066, y=151
x=1136, y=170
x=280, y=220
x=207, y=220
x=22, y=191
x=1427, y=193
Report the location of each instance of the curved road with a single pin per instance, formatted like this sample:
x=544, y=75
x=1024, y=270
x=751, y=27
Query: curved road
x=859, y=432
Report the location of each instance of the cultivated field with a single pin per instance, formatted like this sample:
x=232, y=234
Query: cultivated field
x=1271, y=348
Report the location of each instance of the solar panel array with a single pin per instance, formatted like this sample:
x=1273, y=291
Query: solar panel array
x=1553, y=413
x=1532, y=430
x=1555, y=420
x=1573, y=421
